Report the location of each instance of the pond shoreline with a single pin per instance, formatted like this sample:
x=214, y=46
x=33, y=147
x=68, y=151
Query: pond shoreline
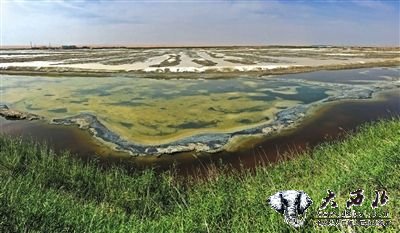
x=329, y=122
x=217, y=142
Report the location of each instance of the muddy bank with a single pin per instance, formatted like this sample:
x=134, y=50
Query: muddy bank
x=12, y=114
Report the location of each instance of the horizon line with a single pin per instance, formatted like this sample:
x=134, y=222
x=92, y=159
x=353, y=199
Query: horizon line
x=38, y=46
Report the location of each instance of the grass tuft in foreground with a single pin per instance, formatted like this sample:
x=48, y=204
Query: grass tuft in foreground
x=44, y=192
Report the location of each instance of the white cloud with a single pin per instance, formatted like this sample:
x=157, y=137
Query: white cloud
x=373, y=4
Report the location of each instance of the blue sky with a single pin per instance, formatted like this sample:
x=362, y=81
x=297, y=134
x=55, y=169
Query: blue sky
x=230, y=22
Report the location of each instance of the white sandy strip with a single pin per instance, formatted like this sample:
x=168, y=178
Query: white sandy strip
x=21, y=55
x=345, y=54
x=220, y=61
x=37, y=64
x=145, y=66
x=188, y=66
x=127, y=67
x=186, y=61
x=134, y=66
x=305, y=61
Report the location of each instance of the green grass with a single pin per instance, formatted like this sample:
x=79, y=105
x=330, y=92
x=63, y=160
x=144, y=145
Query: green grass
x=44, y=192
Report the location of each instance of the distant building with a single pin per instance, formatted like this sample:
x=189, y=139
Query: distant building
x=69, y=47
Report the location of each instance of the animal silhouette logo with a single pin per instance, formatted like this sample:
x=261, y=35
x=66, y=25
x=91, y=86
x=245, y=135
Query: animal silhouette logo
x=292, y=204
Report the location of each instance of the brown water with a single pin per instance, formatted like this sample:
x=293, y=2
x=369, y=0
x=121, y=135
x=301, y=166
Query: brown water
x=329, y=122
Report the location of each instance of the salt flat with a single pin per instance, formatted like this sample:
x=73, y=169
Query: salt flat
x=195, y=60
